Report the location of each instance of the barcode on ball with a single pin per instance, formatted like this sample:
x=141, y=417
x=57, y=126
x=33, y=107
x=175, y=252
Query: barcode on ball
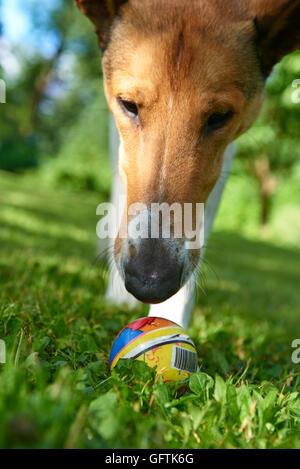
x=184, y=360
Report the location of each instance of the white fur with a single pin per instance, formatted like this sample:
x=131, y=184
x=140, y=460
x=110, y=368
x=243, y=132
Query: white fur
x=116, y=291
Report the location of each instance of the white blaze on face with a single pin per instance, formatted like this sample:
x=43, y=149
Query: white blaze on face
x=166, y=150
x=163, y=174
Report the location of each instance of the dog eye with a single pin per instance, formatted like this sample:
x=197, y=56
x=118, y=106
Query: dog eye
x=129, y=107
x=217, y=121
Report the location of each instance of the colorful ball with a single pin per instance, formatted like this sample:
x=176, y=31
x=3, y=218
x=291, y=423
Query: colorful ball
x=159, y=342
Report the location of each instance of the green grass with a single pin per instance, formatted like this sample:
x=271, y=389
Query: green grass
x=56, y=390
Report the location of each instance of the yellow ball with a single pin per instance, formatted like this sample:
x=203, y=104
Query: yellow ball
x=159, y=342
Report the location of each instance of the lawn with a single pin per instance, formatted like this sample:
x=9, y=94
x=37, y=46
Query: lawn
x=56, y=390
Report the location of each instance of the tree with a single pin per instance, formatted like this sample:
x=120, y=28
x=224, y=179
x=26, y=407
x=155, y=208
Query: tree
x=272, y=146
x=41, y=104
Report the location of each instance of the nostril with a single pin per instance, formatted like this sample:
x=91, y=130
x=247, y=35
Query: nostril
x=131, y=251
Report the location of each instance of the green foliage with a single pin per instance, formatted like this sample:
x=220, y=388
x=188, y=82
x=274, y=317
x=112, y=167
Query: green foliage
x=56, y=390
x=276, y=131
x=270, y=150
x=83, y=162
x=240, y=207
x=52, y=93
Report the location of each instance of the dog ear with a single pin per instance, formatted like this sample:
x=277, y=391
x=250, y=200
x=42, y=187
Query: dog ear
x=278, y=29
x=101, y=13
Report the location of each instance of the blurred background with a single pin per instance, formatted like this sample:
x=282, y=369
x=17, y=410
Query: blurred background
x=54, y=125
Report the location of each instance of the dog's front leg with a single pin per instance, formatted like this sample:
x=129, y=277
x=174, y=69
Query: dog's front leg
x=116, y=291
x=179, y=307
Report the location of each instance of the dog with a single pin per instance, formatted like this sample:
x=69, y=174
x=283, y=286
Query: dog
x=183, y=79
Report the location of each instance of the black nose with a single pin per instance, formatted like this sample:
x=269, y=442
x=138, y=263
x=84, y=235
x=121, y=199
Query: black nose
x=152, y=274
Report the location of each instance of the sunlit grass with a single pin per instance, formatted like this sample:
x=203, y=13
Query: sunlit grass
x=56, y=389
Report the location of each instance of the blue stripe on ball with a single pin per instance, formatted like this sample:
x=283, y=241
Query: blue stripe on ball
x=126, y=336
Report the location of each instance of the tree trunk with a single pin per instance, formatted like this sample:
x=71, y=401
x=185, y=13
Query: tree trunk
x=42, y=81
x=267, y=185
x=265, y=208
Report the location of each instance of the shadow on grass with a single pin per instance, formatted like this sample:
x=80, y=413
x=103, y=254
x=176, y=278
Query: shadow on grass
x=261, y=278
x=47, y=237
